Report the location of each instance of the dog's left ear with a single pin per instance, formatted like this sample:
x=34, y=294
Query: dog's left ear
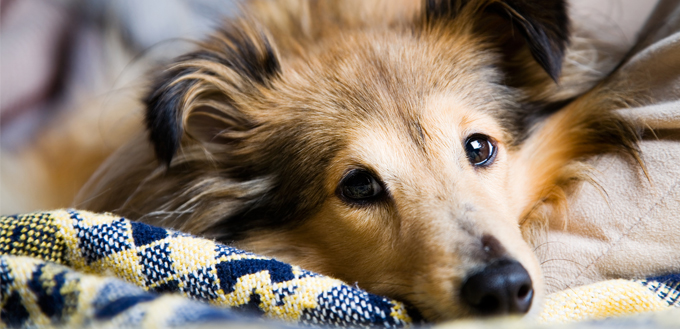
x=542, y=24
x=200, y=96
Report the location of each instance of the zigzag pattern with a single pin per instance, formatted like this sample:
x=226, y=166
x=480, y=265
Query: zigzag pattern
x=51, y=265
x=160, y=261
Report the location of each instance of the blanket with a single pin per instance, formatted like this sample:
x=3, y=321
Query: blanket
x=161, y=261
x=71, y=268
x=626, y=225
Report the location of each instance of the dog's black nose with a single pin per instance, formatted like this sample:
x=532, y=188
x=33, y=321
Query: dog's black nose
x=502, y=287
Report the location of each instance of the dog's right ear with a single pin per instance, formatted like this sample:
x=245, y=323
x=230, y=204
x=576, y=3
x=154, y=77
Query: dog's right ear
x=543, y=25
x=197, y=96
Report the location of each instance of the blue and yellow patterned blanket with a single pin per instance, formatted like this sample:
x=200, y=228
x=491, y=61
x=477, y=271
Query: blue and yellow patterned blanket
x=64, y=268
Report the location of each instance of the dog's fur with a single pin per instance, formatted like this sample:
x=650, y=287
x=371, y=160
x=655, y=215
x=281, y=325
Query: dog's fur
x=251, y=135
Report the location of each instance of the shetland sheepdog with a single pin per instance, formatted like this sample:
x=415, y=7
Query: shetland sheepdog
x=413, y=147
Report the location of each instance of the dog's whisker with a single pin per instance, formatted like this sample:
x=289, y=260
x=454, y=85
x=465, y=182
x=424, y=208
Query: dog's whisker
x=547, y=243
x=562, y=260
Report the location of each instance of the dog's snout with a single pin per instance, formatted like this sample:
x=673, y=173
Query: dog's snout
x=502, y=287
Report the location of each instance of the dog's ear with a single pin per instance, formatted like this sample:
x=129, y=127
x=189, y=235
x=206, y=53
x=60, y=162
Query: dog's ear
x=198, y=95
x=542, y=24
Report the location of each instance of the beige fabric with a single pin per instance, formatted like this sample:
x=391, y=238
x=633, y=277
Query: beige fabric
x=633, y=228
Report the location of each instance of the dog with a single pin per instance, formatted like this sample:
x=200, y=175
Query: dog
x=415, y=148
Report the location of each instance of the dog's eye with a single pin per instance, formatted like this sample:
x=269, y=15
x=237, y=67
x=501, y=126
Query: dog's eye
x=480, y=150
x=359, y=185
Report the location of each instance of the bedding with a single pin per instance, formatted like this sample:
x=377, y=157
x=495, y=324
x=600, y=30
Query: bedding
x=70, y=268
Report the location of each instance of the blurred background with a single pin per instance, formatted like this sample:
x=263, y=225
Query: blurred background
x=55, y=52
x=72, y=72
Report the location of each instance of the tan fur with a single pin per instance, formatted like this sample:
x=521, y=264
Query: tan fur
x=360, y=79
x=550, y=162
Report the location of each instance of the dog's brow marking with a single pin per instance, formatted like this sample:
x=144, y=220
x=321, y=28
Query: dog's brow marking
x=419, y=129
x=416, y=133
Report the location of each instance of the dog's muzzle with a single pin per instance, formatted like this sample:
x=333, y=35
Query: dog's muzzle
x=502, y=287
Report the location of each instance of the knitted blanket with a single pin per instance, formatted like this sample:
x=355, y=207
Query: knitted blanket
x=64, y=268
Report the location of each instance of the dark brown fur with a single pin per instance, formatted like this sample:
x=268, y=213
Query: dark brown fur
x=253, y=132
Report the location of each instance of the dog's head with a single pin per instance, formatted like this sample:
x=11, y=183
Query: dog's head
x=383, y=146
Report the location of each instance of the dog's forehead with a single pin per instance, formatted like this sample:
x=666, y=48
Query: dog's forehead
x=390, y=76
